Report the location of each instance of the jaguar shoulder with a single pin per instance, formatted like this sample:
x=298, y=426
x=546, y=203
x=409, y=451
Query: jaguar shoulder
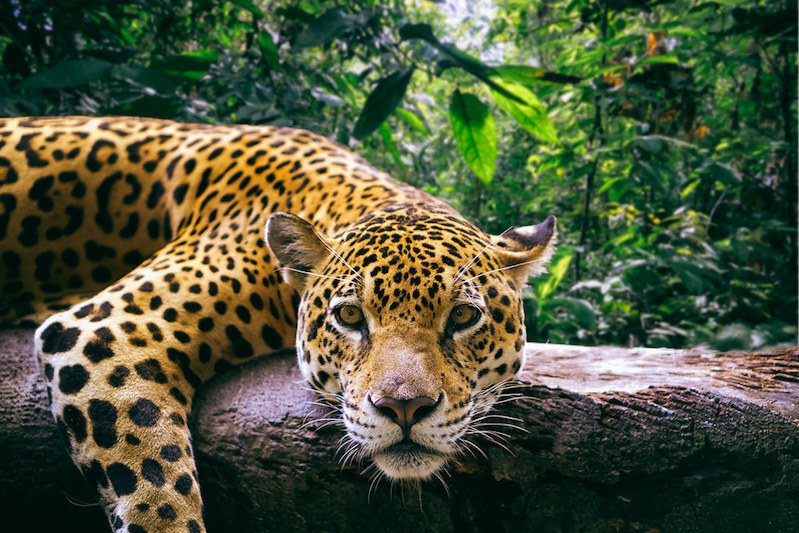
x=156, y=254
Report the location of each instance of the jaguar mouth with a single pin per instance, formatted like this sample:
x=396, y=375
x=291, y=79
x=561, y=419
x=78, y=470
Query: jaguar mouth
x=407, y=446
x=408, y=459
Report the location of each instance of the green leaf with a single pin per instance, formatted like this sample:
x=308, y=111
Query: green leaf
x=529, y=75
x=651, y=144
x=455, y=57
x=69, y=73
x=381, y=102
x=556, y=273
x=329, y=25
x=624, y=39
x=385, y=133
x=691, y=276
x=269, y=49
x=470, y=64
x=724, y=174
x=531, y=115
x=249, y=6
x=415, y=122
x=144, y=76
x=616, y=188
x=188, y=65
x=475, y=134
x=418, y=31
x=659, y=60
x=581, y=309
x=688, y=32
x=689, y=188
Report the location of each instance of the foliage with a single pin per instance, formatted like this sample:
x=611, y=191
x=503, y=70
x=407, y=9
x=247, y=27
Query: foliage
x=662, y=134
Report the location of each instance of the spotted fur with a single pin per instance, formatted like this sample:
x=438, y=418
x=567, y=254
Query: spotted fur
x=139, y=246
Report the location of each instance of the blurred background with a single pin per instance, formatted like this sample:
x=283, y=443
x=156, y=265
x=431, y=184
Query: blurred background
x=662, y=133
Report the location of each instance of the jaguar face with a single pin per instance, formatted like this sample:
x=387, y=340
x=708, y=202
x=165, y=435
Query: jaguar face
x=414, y=321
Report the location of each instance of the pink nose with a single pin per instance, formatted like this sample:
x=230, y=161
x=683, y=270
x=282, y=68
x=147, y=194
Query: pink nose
x=406, y=413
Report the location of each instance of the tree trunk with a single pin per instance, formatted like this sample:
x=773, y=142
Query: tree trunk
x=633, y=441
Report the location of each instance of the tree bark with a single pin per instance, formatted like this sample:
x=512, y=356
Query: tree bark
x=610, y=440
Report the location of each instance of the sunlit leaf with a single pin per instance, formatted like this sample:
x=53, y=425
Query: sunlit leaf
x=659, y=60
x=475, y=134
x=556, y=273
x=413, y=120
x=689, y=188
x=531, y=115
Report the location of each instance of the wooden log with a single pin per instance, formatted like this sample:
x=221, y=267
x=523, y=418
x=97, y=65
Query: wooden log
x=631, y=441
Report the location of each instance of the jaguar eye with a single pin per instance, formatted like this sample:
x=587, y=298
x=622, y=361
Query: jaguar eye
x=463, y=316
x=349, y=315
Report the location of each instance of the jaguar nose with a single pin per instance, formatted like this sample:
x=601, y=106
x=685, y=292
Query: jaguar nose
x=406, y=413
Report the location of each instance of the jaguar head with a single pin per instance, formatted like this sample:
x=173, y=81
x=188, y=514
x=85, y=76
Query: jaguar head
x=413, y=320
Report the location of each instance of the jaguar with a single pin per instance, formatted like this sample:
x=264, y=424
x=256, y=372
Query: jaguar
x=154, y=255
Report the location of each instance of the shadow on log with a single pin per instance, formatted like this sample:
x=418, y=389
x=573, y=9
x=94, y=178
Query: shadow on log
x=632, y=441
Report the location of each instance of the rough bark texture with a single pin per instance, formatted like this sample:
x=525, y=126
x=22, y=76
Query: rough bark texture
x=689, y=441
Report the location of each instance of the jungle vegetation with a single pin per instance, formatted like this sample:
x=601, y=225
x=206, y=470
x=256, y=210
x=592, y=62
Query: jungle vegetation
x=662, y=133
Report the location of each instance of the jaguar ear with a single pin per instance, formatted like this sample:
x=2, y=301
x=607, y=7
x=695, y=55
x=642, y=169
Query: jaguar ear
x=525, y=251
x=297, y=245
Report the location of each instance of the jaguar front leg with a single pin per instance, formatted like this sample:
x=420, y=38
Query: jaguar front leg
x=123, y=411
x=122, y=369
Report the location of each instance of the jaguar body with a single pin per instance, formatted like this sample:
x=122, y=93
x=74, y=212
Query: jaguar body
x=155, y=255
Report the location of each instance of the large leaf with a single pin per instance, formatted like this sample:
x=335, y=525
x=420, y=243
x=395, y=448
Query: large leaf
x=531, y=114
x=475, y=133
x=69, y=74
x=329, y=25
x=381, y=102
